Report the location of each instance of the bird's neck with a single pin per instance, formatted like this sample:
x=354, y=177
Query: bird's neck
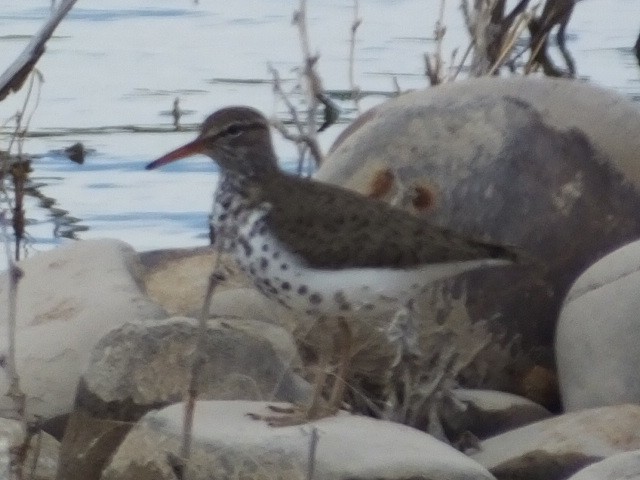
x=235, y=184
x=256, y=164
x=246, y=190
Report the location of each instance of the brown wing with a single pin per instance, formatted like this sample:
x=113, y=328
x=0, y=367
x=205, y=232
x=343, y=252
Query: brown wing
x=331, y=227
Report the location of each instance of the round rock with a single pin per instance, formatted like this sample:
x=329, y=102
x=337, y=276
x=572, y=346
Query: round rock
x=623, y=466
x=227, y=443
x=557, y=447
x=547, y=165
x=598, y=334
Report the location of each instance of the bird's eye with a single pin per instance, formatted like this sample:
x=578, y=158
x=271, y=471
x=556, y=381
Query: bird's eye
x=233, y=130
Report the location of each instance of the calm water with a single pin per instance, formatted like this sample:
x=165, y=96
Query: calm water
x=120, y=63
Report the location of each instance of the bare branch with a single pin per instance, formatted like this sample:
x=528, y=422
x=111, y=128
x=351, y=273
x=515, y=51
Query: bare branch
x=313, y=452
x=396, y=86
x=355, y=89
x=15, y=274
x=509, y=40
x=433, y=62
x=556, y=12
x=462, y=62
x=278, y=90
x=199, y=359
x=301, y=138
x=13, y=78
x=313, y=82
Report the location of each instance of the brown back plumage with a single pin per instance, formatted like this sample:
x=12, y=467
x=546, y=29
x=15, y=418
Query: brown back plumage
x=328, y=226
x=331, y=227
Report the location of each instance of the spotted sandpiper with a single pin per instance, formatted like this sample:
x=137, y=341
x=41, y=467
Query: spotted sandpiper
x=315, y=247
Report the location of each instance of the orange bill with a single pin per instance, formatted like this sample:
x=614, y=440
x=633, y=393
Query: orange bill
x=191, y=148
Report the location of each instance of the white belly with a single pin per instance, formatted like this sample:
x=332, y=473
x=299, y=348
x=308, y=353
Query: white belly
x=282, y=276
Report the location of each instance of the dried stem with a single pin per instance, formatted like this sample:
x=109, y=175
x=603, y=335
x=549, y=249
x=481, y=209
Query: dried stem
x=20, y=167
x=556, y=12
x=199, y=359
x=15, y=274
x=495, y=35
x=355, y=89
x=18, y=170
x=311, y=78
x=313, y=452
x=300, y=145
x=13, y=78
x=396, y=86
x=509, y=42
x=478, y=20
x=300, y=139
x=462, y=62
x=433, y=63
x=10, y=81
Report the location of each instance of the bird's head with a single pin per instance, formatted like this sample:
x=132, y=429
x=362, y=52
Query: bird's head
x=237, y=138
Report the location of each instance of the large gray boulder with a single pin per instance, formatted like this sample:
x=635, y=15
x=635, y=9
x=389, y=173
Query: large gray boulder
x=548, y=165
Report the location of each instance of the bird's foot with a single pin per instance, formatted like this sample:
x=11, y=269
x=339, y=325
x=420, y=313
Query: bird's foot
x=294, y=414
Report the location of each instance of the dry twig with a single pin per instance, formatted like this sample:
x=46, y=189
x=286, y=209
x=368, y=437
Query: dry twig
x=15, y=274
x=433, y=63
x=311, y=79
x=509, y=40
x=313, y=452
x=493, y=33
x=301, y=140
x=555, y=12
x=18, y=168
x=355, y=89
x=315, y=95
x=199, y=359
x=13, y=78
x=10, y=81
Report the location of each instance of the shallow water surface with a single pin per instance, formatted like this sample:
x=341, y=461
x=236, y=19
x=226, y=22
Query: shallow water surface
x=114, y=67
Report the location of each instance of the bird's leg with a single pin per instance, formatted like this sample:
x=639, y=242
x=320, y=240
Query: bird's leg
x=324, y=359
x=319, y=382
x=318, y=408
x=345, y=339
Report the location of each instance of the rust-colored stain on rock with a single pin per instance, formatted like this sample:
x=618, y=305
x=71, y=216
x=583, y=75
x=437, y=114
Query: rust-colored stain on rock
x=381, y=183
x=423, y=198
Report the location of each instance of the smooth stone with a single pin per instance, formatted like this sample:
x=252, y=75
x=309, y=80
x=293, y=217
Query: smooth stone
x=622, y=466
x=248, y=302
x=177, y=278
x=68, y=299
x=548, y=165
x=146, y=365
x=562, y=445
x=229, y=444
x=598, y=334
x=486, y=413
